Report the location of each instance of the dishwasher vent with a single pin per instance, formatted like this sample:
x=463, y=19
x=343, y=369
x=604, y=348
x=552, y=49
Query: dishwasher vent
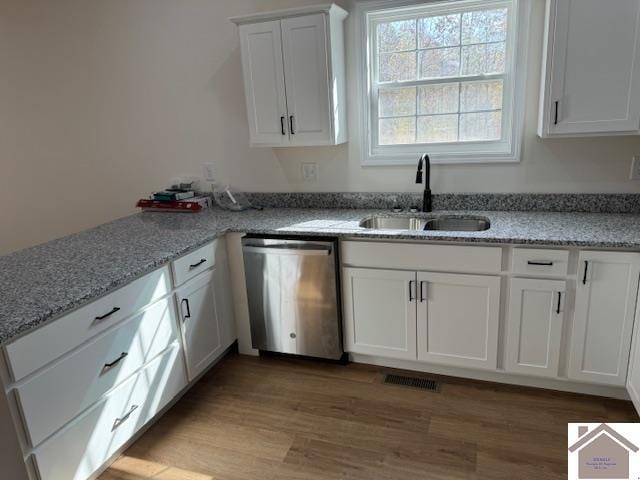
x=413, y=382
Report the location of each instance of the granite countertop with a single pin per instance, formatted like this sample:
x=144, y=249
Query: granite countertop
x=39, y=283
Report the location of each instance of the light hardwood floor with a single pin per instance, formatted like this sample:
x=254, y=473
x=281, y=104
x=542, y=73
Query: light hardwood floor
x=273, y=418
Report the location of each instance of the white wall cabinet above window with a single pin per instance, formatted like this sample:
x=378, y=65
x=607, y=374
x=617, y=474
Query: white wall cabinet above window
x=591, y=69
x=294, y=76
x=442, y=77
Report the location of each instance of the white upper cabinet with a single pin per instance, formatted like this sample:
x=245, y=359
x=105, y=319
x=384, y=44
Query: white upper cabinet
x=294, y=76
x=261, y=45
x=606, y=294
x=304, y=44
x=591, y=68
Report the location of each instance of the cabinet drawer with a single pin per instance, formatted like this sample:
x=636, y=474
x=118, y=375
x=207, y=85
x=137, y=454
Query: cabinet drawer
x=82, y=448
x=193, y=263
x=37, y=349
x=58, y=394
x=415, y=256
x=537, y=261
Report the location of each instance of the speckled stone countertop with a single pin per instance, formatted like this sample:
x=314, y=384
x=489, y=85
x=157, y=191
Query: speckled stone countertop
x=39, y=283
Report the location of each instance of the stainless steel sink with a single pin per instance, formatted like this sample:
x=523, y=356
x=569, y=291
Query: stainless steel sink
x=445, y=223
x=457, y=224
x=394, y=223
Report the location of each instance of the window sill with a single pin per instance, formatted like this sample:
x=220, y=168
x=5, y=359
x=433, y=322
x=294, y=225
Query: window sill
x=389, y=160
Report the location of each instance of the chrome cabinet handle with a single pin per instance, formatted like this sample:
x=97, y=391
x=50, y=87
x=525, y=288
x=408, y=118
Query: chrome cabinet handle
x=121, y=420
x=291, y=125
x=586, y=268
x=542, y=264
x=109, y=366
x=411, y=298
x=186, y=302
x=559, y=303
x=106, y=315
x=197, y=264
x=282, y=125
x=422, y=295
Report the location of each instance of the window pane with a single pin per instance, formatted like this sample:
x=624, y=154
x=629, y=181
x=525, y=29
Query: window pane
x=394, y=102
x=396, y=67
x=442, y=31
x=479, y=59
x=481, y=96
x=484, y=26
x=393, y=131
x=397, y=36
x=438, y=98
x=441, y=62
x=438, y=129
x=480, y=126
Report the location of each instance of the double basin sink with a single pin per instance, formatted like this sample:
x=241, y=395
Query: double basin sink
x=449, y=223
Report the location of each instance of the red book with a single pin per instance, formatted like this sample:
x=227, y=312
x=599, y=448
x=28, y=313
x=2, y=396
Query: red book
x=158, y=206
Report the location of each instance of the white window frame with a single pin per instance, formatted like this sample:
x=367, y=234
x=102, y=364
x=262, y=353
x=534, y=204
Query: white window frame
x=500, y=151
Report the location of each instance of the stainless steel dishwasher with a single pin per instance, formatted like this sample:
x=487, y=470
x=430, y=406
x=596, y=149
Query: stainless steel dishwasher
x=294, y=298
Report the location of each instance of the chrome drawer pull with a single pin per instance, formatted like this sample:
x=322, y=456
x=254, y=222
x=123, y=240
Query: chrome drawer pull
x=109, y=366
x=114, y=310
x=121, y=420
x=194, y=265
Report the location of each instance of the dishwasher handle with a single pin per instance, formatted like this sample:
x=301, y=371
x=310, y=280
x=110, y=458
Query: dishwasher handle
x=314, y=250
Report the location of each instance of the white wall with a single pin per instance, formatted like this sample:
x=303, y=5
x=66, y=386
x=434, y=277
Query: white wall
x=102, y=102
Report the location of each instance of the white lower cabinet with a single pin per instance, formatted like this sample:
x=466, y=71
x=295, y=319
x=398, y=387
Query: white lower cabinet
x=607, y=287
x=89, y=441
x=534, y=326
x=52, y=398
x=633, y=376
x=224, y=296
x=380, y=312
x=441, y=318
x=458, y=319
x=200, y=325
x=83, y=385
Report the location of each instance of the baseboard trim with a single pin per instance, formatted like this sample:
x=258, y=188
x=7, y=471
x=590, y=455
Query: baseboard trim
x=496, y=377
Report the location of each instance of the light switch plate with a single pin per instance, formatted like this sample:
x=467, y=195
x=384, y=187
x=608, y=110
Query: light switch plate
x=635, y=168
x=309, y=172
x=208, y=171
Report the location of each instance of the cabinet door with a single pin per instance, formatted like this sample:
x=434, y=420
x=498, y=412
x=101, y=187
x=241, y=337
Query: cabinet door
x=534, y=326
x=380, y=312
x=606, y=294
x=594, y=67
x=304, y=45
x=263, y=72
x=458, y=319
x=633, y=378
x=200, y=328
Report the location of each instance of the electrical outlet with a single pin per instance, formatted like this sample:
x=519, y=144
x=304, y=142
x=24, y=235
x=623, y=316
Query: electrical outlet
x=635, y=168
x=208, y=170
x=309, y=172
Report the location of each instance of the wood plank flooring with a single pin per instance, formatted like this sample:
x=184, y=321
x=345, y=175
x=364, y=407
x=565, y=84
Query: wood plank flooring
x=274, y=418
